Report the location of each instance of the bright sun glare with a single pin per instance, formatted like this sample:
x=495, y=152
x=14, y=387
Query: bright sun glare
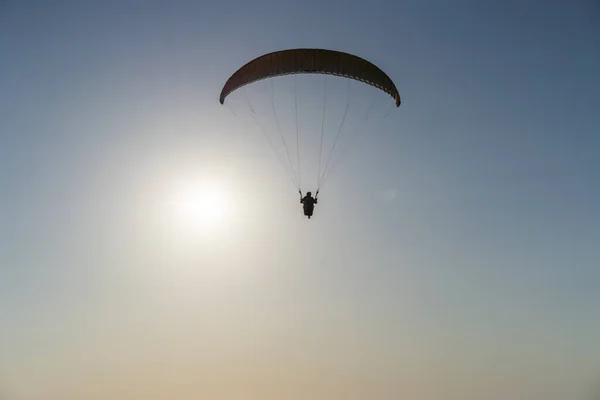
x=201, y=205
x=201, y=221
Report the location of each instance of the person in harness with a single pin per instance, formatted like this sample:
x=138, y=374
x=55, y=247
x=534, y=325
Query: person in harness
x=308, y=202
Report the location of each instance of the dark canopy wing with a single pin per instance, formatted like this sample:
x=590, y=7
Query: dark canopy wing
x=310, y=61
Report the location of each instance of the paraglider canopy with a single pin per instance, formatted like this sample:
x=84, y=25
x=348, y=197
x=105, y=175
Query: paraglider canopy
x=310, y=61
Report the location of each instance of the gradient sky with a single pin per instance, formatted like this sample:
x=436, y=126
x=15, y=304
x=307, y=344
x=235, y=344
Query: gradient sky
x=455, y=253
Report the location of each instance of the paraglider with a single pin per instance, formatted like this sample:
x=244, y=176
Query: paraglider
x=308, y=61
x=308, y=203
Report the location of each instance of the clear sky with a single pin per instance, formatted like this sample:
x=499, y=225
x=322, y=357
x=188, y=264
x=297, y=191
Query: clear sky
x=454, y=254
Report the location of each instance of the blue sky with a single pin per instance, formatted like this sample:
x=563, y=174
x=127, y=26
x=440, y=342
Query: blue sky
x=453, y=254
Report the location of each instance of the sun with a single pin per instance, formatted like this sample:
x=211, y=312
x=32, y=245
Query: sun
x=201, y=204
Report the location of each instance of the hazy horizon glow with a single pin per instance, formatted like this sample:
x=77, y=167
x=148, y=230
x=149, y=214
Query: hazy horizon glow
x=453, y=254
